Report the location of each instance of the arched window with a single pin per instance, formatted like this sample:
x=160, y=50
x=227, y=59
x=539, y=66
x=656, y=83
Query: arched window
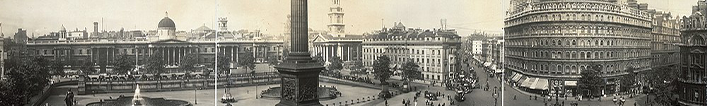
x=574, y=42
x=696, y=40
x=574, y=69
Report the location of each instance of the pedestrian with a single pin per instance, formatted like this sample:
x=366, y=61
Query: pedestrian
x=386, y=102
x=530, y=97
x=545, y=103
x=514, y=97
x=536, y=97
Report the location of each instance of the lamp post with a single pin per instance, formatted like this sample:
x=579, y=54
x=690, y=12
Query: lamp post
x=557, y=95
x=194, y=92
x=495, y=98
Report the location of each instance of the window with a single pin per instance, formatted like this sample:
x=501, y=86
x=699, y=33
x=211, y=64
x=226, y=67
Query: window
x=574, y=42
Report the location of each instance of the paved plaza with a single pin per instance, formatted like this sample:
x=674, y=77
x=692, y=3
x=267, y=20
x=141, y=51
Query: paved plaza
x=245, y=95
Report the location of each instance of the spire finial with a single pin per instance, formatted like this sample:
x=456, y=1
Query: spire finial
x=166, y=14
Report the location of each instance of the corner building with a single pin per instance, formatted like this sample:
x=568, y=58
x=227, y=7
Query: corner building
x=692, y=79
x=435, y=51
x=549, y=43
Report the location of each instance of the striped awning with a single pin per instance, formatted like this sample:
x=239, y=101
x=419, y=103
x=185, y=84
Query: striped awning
x=528, y=82
x=512, y=75
x=516, y=77
x=540, y=83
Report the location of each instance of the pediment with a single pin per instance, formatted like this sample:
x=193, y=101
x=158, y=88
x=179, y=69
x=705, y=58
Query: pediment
x=319, y=38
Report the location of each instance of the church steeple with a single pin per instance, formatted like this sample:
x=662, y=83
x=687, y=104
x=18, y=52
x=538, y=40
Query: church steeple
x=336, y=18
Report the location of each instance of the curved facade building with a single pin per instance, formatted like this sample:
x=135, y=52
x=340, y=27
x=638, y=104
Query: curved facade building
x=692, y=79
x=549, y=43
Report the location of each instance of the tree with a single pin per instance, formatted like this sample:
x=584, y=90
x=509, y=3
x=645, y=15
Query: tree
x=357, y=67
x=662, y=85
x=411, y=72
x=335, y=63
x=628, y=81
x=124, y=64
x=11, y=95
x=381, y=69
x=224, y=64
x=285, y=53
x=57, y=68
x=28, y=78
x=155, y=64
x=87, y=68
x=247, y=60
x=590, y=81
x=319, y=58
x=273, y=61
x=188, y=63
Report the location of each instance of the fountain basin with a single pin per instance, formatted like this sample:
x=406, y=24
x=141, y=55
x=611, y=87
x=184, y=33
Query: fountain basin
x=143, y=101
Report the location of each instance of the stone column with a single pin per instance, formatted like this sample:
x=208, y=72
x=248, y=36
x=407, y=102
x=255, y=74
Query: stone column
x=339, y=51
x=164, y=54
x=348, y=53
x=299, y=73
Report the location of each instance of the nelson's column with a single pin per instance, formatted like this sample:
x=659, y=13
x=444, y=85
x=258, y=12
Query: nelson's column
x=298, y=72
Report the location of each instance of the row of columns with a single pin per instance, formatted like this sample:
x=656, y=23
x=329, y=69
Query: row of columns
x=102, y=56
x=172, y=55
x=345, y=52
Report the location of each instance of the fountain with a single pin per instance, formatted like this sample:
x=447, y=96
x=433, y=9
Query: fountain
x=138, y=100
x=136, y=96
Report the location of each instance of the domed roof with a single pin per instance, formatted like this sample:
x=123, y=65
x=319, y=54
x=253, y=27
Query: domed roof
x=62, y=28
x=166, y=22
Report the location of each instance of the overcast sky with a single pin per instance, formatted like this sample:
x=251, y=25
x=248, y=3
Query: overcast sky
x=467, y=16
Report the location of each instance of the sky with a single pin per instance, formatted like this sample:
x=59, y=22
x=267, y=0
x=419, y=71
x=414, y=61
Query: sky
x=40, y=17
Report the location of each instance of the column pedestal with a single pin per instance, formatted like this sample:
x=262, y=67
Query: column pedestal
x=299, y=73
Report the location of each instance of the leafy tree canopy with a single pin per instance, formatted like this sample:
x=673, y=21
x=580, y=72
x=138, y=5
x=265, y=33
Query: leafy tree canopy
x=381, y=68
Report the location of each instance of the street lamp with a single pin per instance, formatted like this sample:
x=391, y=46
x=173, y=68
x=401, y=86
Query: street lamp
x=495, y=98
x=194, y=92
x=557, y=95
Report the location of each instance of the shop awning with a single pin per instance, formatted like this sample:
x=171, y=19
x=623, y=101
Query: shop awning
x=528, y=82
x=570, y=83
x=493, y=67
x=512, y=75
x=540, y=83
x=516, y=77
x=499, y=70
